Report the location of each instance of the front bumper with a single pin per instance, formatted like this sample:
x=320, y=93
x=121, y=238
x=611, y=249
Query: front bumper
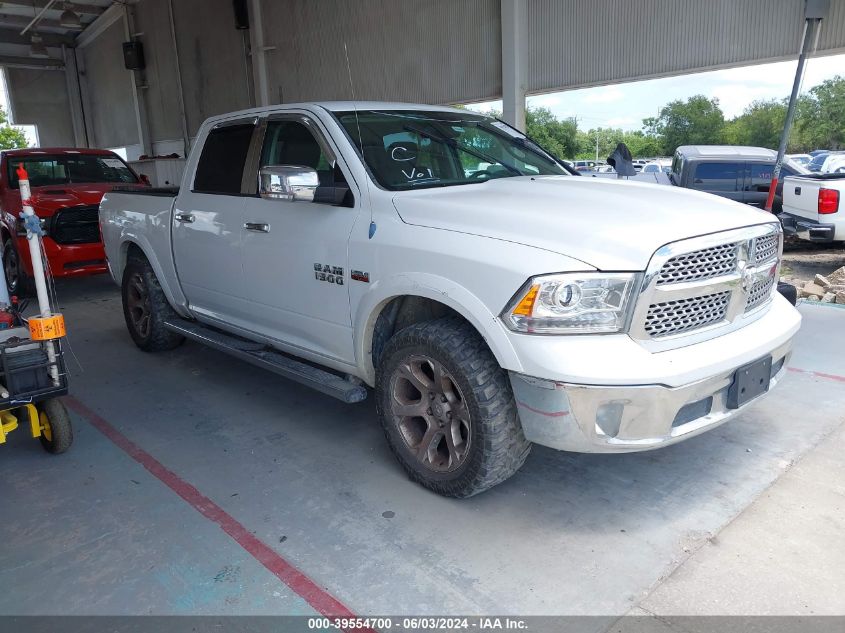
x=66, y=260
x=676, y=395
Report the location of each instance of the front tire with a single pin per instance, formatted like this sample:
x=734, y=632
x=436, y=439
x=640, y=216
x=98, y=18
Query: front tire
x=145, y=308
x=17, y=281
x=447, y=409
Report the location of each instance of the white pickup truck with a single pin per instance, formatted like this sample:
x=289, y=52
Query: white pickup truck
x=490, y=297
x=814, y=207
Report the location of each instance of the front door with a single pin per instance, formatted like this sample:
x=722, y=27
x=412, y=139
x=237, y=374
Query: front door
x=294, y=253
x=208, y=226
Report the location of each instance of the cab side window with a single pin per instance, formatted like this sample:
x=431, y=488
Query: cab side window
x=717, y=176
x=221, y=165
x=292, y=143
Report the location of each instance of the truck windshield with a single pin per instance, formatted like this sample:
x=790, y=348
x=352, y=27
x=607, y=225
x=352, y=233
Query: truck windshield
x=414, y=149
x=47, y=170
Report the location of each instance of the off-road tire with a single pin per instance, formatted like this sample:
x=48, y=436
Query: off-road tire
x=61, y=431
x=155, y=337
x=497, y=448
x=22, y=285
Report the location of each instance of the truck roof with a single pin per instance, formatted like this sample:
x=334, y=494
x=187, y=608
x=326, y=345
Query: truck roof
x=726, y=151
x=342, y=106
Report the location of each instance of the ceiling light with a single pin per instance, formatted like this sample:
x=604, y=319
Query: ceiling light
x=37, y=48
x=70, y=19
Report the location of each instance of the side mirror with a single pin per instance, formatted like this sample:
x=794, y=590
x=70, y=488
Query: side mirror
x=288, y=182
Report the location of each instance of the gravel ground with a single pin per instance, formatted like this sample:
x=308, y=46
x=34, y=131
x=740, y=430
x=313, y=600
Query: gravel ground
x=804, y=260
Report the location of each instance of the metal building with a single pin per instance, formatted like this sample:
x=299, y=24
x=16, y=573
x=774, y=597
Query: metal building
x=200, y=60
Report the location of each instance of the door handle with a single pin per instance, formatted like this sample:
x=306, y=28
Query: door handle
x=258, y=227
x=185, y=217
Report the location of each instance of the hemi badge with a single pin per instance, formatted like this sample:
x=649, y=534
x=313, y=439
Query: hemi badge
x=358, y=275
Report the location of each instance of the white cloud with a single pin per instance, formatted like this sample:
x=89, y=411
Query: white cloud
x=625, y=122
x=545, y=100
x=607, y=94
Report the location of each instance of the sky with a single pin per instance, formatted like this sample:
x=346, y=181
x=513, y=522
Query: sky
x=626, y=105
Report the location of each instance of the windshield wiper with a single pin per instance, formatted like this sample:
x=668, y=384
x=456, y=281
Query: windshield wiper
x=450, y=142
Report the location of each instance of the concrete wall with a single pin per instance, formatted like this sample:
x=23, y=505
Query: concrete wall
x=39, y=97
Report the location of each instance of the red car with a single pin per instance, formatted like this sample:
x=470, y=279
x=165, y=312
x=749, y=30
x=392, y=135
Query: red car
x=67, y=186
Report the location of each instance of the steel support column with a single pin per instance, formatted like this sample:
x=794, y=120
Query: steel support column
x=514, y=61
x=258, y=53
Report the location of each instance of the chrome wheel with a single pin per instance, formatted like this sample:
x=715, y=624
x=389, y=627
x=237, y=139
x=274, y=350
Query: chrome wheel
x=138, y=304
x=430, y=413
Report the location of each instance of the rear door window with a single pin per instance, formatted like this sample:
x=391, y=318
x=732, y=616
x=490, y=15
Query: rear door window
x=717, y=176
x=221, y=165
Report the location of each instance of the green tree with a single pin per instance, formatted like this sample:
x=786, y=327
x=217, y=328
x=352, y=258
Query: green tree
x=761, y=125
x=696, y=121
x=556, y=135
x=820, y=117
x=10, y=137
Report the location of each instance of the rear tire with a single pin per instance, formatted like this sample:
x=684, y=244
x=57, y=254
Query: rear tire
x=447, y=409
x=145, y=308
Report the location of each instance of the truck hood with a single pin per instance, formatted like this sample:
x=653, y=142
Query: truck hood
x=49, y=199
x=609, y=225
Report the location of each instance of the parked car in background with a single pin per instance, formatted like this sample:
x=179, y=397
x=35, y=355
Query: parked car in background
x=814, y=207
x=739, y=173
x=835, y=164
x=489, y=310
x=800, y=159
x=832, y=162
x=584, y=165
x=815, y=165
x=661, y=165
x=67, y=186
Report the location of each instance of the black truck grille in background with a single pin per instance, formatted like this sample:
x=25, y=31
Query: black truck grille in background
x=75, y=225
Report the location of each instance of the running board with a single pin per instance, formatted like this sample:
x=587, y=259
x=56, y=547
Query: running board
x=267, y=358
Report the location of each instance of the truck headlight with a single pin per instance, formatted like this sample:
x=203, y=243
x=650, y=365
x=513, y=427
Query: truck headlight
x=21, y=228
x=572, y=303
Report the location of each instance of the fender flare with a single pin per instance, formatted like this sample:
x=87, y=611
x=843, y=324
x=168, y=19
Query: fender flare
x=177, y=301
x=439, y=289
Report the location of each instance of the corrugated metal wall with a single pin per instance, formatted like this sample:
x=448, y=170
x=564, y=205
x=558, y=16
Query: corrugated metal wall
x=442, y=51
x=574, y=43
x=436, y=51
x=109, y=102
x=40, y=97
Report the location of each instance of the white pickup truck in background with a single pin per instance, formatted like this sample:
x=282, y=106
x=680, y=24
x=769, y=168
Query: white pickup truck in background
x=490, y=297
x=814, y=207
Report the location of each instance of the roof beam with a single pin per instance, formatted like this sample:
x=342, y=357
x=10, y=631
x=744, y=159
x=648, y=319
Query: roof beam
x=86, y=9
x=7, y=19
x=31, y=62
x=11, y=35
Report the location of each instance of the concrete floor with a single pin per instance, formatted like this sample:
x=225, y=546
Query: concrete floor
x=745, y=519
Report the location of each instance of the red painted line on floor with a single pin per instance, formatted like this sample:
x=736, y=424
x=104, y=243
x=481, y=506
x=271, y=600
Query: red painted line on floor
x=550, y=414
x=302, y=585
x=817, y=374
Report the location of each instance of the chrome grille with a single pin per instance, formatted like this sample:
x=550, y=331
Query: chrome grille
x=766, y=247
x=719, y=279
x=761, y=291
x=683, y=315
x=699, y=265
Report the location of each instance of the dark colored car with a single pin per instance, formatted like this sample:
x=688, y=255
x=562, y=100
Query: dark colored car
x=735, y=172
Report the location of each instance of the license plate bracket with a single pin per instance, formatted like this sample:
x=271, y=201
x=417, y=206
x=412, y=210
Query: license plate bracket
x=750, y=381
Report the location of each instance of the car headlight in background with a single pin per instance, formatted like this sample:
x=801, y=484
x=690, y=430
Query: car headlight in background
x=572, y=303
